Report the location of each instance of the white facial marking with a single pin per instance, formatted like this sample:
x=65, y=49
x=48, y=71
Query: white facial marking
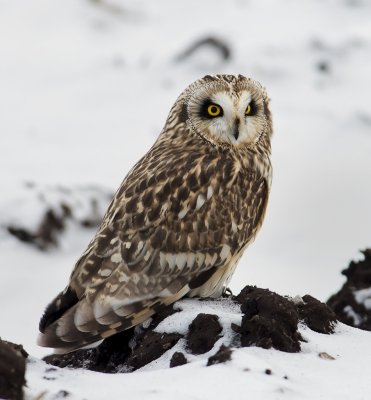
x=234, y=126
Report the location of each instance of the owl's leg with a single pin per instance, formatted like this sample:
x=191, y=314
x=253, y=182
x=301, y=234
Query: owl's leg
x=227, y=293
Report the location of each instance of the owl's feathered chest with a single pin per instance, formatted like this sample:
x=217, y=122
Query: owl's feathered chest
x=187, y=198
x=197, y=192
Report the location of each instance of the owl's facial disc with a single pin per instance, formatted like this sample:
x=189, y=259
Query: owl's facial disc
x=227, y=116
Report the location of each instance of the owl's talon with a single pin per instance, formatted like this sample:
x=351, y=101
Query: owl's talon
x=227, y=293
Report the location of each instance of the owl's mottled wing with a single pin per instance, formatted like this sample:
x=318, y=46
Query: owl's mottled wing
x=178, y=217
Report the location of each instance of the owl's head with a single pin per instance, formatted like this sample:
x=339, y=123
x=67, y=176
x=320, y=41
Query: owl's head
x=227, y=110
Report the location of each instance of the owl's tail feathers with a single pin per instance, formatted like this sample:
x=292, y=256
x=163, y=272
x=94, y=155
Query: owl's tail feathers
x=63, y=302
x=86, y=323
x=83, y=324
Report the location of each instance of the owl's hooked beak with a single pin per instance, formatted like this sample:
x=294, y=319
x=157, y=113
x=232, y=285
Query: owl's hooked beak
x=236, y=128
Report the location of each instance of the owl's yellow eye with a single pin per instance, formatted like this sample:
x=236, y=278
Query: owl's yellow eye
x=214, y=110
x=248, y=110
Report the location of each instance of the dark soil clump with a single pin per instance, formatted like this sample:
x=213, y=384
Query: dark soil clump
x=178, y=359
x=152, y=346
x=124, y=352
x=203, y=333
x=349, y=304
x=107, y=357
x=269, y=320
x=223, y=355
x=12, y=370
x=316, y=315
x=115, y=355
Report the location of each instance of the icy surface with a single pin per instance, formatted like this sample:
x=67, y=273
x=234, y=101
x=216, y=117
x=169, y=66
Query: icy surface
x=86, y=87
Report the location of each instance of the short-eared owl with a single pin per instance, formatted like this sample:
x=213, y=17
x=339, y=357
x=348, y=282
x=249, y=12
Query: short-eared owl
x=180, y=220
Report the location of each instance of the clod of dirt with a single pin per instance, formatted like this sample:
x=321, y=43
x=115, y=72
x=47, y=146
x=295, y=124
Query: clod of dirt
x=12, y=370
x=123, y=352
x=316, y=315
x=108, y=357
x=203, y=333
x=350, y=304
x=152, y=346
x=269, y=320
x=178, y=359
x=268, y=371
x=223, y=355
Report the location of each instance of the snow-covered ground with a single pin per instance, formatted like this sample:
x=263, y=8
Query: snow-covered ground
x=85, y=87
x=328, y=367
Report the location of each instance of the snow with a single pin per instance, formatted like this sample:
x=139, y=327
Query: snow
x=349, y=312
x=28, y=204
x=85, y=89
x=304, y=375
x=363, y=296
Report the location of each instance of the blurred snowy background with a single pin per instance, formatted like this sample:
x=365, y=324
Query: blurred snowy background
x=86, y=86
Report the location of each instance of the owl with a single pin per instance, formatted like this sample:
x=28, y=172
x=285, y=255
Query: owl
x=180, y=220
